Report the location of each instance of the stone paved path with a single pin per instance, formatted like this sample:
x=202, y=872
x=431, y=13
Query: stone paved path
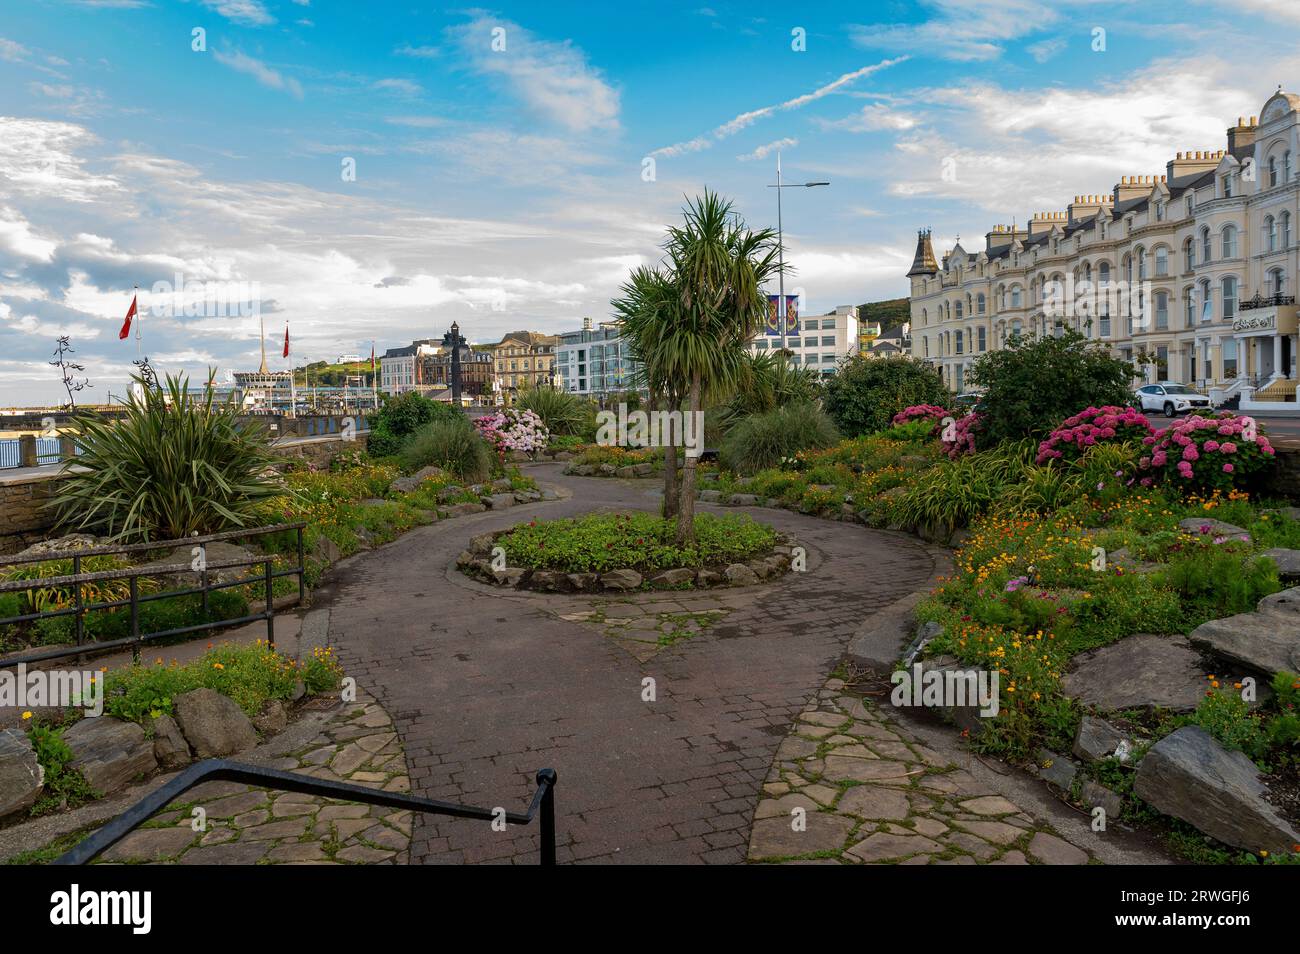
x=485, y=687
x=853, y=785
x=251, y=825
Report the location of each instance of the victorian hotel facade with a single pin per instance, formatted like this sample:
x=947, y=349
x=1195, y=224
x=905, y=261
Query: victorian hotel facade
x=1205, y=256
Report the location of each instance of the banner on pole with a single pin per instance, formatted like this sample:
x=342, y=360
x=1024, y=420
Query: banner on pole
x=782, y=318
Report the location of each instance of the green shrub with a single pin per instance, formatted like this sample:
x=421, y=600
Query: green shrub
x=640, y=541
x=400, y=417
x=764, y=440
x=1035, y=382
x=560, y=411
x=453, y=445
x=174, y=465
x=766, y=382
x=866, y=393
x=1216, y=580
x=65, y=787
x=248, y=674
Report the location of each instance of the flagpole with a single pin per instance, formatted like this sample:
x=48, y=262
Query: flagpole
x=374, y=385
x=135, y=297
x=293, y=385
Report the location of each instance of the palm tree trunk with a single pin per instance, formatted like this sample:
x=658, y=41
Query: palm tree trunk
x=686, y=499
x=670, y=507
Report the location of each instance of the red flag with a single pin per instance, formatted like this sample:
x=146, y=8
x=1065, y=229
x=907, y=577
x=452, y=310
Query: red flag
x=286, y=341
x=372, y=358
x=126, y=325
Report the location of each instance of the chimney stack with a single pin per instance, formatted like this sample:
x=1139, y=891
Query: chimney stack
x=1241, y=137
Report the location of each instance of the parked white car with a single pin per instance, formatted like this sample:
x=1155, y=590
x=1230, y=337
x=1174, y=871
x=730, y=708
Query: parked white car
x=1171, y=399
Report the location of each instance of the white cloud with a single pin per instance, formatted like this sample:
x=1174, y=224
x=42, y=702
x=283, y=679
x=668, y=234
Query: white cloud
x=16, y=236
x=420, y=52
x=1044, y=50
x=744, y=120
x=765, y=150
x=961, y=29
x=872, y=118
x=250, y=12
x=404, y=87
x=12, y=52
x=270, y=78
x=555, y=79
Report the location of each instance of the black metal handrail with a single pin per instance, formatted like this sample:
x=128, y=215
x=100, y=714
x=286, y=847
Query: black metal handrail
x=136, y=640
x=542, y=805
x=1267, y=301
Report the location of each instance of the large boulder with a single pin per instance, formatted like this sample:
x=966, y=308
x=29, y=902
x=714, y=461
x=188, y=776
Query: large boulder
x=1288, y=562
x=61, y=546
x=1189, y=775
x=677, y=576
x=1142, y=671
x=500, y=501
x=214, y=553
x=740, y=575
x=212, y=724
x=883, y=636
x=109, y=752
x=1267, y=640
x=21, y=774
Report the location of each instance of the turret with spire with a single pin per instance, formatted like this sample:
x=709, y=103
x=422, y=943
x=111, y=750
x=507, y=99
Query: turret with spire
x=923, y=263
x=262, y=322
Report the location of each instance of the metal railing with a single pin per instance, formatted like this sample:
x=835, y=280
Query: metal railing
x=541, y=807
x=80, y=607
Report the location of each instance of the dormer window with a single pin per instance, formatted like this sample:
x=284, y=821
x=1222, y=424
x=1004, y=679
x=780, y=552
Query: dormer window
x=1227, y=186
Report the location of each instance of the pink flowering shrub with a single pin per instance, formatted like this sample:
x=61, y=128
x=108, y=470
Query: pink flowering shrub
x=1090, y=427
x=918, y=412
x=1207, y=453
x=513, y=430
x=960, y=439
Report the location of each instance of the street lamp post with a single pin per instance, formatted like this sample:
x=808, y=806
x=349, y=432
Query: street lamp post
x=780, y=235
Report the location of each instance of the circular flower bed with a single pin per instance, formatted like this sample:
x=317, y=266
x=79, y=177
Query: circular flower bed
x=1207, y=453
x=1092, y=426
x=627, y=551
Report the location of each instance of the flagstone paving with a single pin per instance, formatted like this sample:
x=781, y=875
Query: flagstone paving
x=852, y=785
x=247, y=824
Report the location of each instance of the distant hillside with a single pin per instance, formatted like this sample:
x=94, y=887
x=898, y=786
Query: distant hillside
x=334, y=375
x=890, y=313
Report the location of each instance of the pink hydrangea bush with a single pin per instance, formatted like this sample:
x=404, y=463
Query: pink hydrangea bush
x=960, y=439
x=513, y=430
x=1216, y=452
x=918, y=412
x=1092, y=426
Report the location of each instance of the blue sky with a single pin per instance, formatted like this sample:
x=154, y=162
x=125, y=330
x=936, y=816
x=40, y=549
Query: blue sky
x=504, y=188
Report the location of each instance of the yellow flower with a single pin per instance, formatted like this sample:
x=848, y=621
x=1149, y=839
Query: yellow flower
x=27, y=715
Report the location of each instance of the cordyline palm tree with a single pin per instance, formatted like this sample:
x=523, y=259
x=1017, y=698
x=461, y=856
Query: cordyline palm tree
x=647, y=311
x=769, y=381
x=717, y=270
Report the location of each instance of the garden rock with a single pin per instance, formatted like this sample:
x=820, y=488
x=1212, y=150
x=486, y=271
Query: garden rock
x=584, y=581
x=214, y=553
x=109, y=752
x=448, y=492
x=510, y=576
x=1211, y=527
x=1095, y=795
x=549, y=581
x=326, y=549
x=365, y=537
x=1288, y=562
x=677, y=576
x=620, y=580
x=212, y=724
x=709, y=578
x=743, y=500
x=1142, y=671
x=740, y=575
x=711, y=496
x=500, y=501
x=1267, y=640
x=607, y=470
x=580, y=470
x=464, y=509
x=1189, y=775
x=628, y=471
x=61, y=545
x=502, y=485
x=271, y=718
x=1097, y=739
x=1056, y=769
x=169, y=745
x=481, y=544
x=429, y=473
x=404, y=485
x=21, y=774
x=882, y=636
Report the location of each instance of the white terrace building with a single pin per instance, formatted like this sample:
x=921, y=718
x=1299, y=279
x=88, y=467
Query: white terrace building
x=1210, y=248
